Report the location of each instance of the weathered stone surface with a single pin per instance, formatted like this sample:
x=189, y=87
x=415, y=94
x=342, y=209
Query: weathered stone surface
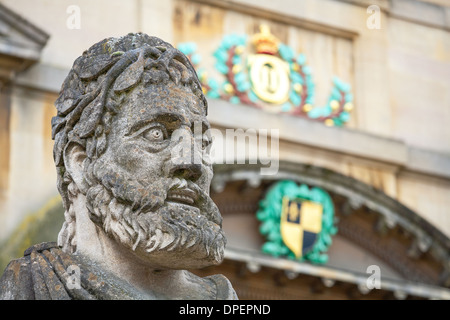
x=132, y=156
x=42, y=275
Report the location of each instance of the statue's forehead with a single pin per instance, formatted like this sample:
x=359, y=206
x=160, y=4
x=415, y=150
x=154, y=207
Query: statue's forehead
x=147, y=102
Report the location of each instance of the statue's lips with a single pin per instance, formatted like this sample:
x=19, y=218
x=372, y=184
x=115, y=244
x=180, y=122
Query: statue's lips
x=185, y=196
x=193, y=197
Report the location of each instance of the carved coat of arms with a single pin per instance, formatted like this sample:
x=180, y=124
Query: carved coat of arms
x=297, y=221
x=265, y=73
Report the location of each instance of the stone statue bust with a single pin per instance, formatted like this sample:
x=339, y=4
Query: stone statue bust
x=132, y=157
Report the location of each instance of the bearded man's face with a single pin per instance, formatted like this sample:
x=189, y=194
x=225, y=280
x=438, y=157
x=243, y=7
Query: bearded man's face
x=151, y=189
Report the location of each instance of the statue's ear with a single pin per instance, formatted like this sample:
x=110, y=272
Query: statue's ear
x=74, y=155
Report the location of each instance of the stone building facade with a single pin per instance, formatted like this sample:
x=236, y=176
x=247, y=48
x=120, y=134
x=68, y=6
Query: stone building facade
x=386, y=164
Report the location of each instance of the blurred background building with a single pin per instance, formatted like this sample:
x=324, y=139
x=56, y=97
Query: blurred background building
x=359, y=91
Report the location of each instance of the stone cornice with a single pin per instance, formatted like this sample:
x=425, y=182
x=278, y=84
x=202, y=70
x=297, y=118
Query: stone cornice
x=25, y=27
x=341, y=140
x=20, y=44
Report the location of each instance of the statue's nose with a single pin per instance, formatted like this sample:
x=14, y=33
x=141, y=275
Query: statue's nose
x=188, y=171
x=185, y=160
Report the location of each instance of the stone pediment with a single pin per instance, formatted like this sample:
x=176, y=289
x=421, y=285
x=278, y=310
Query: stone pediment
x=21, y=43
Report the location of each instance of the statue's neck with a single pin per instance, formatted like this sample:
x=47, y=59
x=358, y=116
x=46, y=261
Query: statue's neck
x=95, y=245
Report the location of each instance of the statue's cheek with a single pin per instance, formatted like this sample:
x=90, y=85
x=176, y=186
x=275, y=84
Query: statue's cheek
x=129, y=156
x=137, y=160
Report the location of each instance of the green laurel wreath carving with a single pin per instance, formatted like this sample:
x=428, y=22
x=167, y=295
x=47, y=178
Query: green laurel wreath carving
x=269, y=214
x=236, y=86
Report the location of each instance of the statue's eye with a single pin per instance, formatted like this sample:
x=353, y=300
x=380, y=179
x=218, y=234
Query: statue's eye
x=155, y=134
x=205, y=144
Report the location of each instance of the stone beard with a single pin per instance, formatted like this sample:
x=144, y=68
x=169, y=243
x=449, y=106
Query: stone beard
x=149, y=224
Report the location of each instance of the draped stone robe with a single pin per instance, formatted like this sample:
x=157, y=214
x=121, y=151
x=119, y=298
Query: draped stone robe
x=42, y=274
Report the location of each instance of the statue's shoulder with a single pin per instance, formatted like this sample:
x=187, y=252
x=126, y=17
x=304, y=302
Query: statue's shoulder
x=37, y=275
x=40, y=247
x=18, y=280
x=225, y=290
